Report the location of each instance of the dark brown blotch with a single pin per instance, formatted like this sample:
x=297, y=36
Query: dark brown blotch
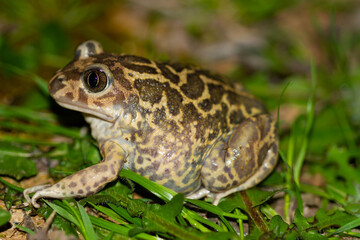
x=167, y=73
x=216, y=92
x=140, y=160
x=213, y=76
x=191, y=113
x=205, y=105
x=174, y=101
x=119, y=76
x=149, y=90
x=69, y=95
x=140, y=68
x=194, y=87
x=91, y=48
x=223, y=116
x=104, y=179
x=83, y=180
x=178, y=67
x=222, y=179
x=107, y=59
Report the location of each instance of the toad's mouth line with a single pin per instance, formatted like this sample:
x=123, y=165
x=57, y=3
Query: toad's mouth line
x=83, y=109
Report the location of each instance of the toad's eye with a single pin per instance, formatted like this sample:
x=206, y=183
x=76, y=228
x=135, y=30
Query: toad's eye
x=95, y=80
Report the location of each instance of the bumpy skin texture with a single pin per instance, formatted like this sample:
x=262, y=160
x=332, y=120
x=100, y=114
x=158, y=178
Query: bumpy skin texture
x=181, y=127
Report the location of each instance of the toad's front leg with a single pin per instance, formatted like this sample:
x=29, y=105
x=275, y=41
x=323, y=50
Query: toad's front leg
x=85, y=182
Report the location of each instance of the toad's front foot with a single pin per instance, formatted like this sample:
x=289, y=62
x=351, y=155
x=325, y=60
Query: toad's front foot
x=81, y=184
x=38, y=190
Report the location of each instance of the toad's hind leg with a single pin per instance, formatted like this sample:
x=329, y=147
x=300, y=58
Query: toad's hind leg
x=85, y=182
x=240, y=159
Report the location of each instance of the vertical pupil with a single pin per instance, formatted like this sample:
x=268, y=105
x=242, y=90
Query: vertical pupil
x=93, y=79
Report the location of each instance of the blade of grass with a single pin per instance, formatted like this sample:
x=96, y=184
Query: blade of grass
x=309, y=123
x=40, y=82
x=25, y=229
x=240, y=222
x=214, y=209
x=27, y=140
x=124, y=214
x=304, y=146
x=353, y=224
x=118, y=228
x=279, y=104
x=197, y=221
x=88, y=228
x=63, y=212
x=19, y=189
x=25, y=114
x=45, y=128
x=113, y=214
x=228, y=226
x=158, y=190
x=347, y=130
x=288, y=160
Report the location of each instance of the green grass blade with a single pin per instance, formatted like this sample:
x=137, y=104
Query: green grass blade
x=309, y=123
x=64, y=213
x=214, y=209
x=25, y=114
x=89, y=230
x=19, y=189
x=114, y=215
x=353, y=224
x=124, y=214
x=118, y=228
x=158, y=190
x=40, y=82
x=196, y=221
x=25, y=229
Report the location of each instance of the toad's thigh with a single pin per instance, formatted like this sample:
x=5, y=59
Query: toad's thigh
x=241, y=154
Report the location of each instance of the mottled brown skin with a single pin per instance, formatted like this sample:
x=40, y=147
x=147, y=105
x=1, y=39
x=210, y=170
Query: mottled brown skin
x=181, y=127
